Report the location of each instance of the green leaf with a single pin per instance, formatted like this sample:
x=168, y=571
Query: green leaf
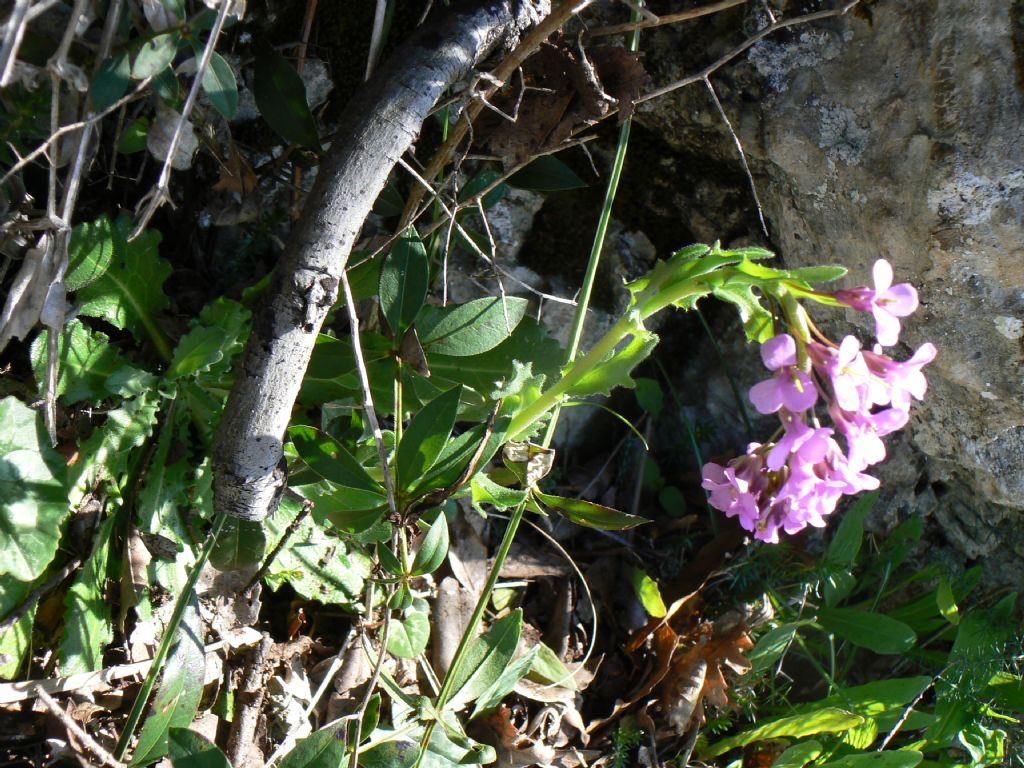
x=946, y=601
x=505, y=683
x=845, y=545
x=589, y=514
x=319, y=566
x=130, y=293
x=281, y=98
x=771, y=645
x=824, y=273
x=133, y=137
x=425, y=437
x=388, y=203
x=546, y=174
x=409, y=635
x=900, y=758
x=220, y=85
x=798, y=755
x=757, y=321
x=827, y=720
x=486, y=491
x=155, y=55
x=647, y=592
x=87, y=625
x=165, y=84
x=110, y=82
x=485, y=660
x=614, y=371
x=241, y=543
x=325, y=748
x=33, y=498
x=187, y=749
x=434, y=548
x=650, y=396
x=197, y=350
x=403, y=282
x=85, y=362
x=177, y=700
x=865, y=629
x=330, y=460
x=548, y=668
x=90, y=251
x=450, y=465
x=16, y=641
x=470, y=329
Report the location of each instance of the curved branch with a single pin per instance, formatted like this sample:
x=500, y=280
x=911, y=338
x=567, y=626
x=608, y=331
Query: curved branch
x=379, y=126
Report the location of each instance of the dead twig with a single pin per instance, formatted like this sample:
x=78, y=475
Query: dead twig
x=249, y=702
x=79, y=733
x=32, y=597
x=293, y=526
x=668, y=18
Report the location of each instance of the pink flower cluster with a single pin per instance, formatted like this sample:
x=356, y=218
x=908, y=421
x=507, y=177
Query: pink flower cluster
x=797, y=480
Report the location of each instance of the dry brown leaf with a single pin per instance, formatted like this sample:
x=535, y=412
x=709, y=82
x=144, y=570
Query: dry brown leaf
x=622, y=74
x=236, y=174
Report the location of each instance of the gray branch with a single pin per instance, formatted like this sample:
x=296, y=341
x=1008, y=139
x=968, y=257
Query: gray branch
x=380, y=124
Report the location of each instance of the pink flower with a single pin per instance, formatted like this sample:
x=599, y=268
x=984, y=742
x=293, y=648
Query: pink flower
x=790, y=386
x=887, y=302
x=899, y=381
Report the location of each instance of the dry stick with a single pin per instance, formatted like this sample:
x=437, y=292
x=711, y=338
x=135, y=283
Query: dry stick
x=84, y=738
x=300, y=66
x=667, y=18
x=32, y=597
x=376, y=38
x=293, y=526
x=379, y=125
x=249, y=703
x=743, y=155
x=500, y=74
x=42, y=7
x=13, y=33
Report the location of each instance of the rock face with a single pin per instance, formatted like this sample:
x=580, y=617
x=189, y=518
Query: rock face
x=896, y=132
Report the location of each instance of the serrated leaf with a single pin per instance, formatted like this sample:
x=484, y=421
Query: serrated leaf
x=319, y=566
x=505, y=683
x=409, y=635
x=757, y=321
x=220, y=85
x=403, y=282
x=614, y=371
x=485, y=660
x=331, y=460
x=828, y=720
x=130, y=293
x=281, y=98
x=33, y=498
x=647, y=592
x=86, y=361
x=177, y=699
x=546, y=174
x=90, y=251
x=155, y=55
x=87, y=625
x=865, y=629
x=241, y=543
x=434, y=548
x=110, y=82
x=197, y=350
x=470, y=329
x=325, y=748
x=589, y=514
x=425, y=437
x=187, y=749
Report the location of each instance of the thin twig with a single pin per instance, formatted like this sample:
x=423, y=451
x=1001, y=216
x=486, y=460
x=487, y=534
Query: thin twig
x=743, y=155
x=376, y=37
x=32, y=597
x=249, y=702
x=374, y=676
x=80, y=734
x=13, y=33
x=293, y=526
x=667, y=18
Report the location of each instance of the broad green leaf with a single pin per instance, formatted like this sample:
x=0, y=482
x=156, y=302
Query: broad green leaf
x=650, y=396
x=861, y=736
x=409, y=634
x=241, y=543
x=614, y=371
x=319, y=566
x=506, y=682
x=986, y=746
x=824, y=273
x=1006, y=690
x=589, y=514
x=130, y=293
x=457, y=454
x=325, y=748
x=485, y=660
x=281, y=98
x=155, y=55
x=771, y=645
x=177, y=699
x=90, y=251
x=946, y=601
x=425, y=437
x=470, y=329
x=845, y=545
x=197, y=350
x=548, y=668
x=33, y=498
x=166, y=85
x=86, y=360
x=110, y=82
x=486, y=491
x=647, y=592
x=434, y=548
x=220, y=85
x=865, y=629
x=898, y=758
x=546, y=174
x=827, y=720
x=187, y=749
x=798, y=755
x=330, y=460
x=447, y=749
x=404, y=279
x=388, y=203
x=87, y=625
x=16, y=641
x=133, y=137
x=757, y=321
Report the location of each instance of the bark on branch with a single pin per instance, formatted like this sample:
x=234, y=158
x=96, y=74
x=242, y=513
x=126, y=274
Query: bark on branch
x=380, y=124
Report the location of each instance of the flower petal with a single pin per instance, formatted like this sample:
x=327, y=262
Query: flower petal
x=765, y=396
x=798, y=392
x=778, y=351
x=887, y=327
x=882, y=274
x=900, y=300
